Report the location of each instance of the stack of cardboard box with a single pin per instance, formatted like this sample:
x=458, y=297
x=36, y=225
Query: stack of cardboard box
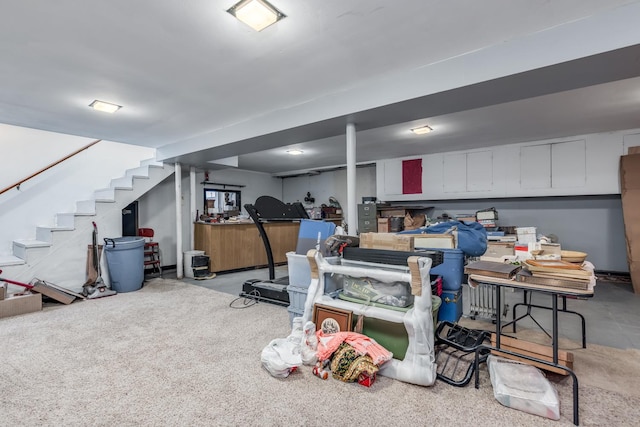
x=13, y=304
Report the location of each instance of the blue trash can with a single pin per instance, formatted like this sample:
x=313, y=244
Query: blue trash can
x=125, y=262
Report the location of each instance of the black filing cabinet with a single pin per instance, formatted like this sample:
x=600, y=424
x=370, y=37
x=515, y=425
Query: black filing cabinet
x=367, y=218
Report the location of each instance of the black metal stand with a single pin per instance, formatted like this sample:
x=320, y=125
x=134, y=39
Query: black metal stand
x=455, y=347
x=527, y=303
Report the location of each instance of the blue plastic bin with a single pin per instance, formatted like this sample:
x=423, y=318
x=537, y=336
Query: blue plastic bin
x=125, y=262
x=451, y=269
x=451, y=306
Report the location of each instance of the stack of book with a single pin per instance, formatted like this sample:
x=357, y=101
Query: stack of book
x=492, y=269
x=487, y=217
x=556, y=273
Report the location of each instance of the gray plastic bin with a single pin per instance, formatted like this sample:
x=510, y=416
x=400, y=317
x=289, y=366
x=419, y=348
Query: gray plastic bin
x=125, y=262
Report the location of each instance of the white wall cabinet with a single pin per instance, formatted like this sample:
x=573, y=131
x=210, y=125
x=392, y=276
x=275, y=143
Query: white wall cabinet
x=583, y=165
x=393, y=177
x=480, y=171
x=569, y=164
x=553, y=166
x=454, y=169
x=468, y=172
x=549, y=169
x=535, y=167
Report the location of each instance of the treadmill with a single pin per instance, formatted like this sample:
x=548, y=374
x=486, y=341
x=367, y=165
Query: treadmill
x=270, y=209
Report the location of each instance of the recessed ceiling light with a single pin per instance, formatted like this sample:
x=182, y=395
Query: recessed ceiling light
x=258, y=14
x=421, y=130
x=295, y=152
x=107, y=107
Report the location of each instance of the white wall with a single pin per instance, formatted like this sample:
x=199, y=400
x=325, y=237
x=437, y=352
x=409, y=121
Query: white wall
x=327, y=184
x=157, y=207
x=591, y=224
x=256, y=184
x=58, y=189
x=26, y=151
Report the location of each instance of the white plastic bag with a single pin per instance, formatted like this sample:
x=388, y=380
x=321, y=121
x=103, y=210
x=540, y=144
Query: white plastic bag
x=281, y=357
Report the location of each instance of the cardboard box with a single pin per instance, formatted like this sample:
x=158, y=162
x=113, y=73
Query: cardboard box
x=383, y=225
x=438, y=241
x=498, y=250
x=551, y=249
x=393, y=242
x=630, y=186
x=487, y=215
x=538, y=351
x=17, y=304
x=386, y=213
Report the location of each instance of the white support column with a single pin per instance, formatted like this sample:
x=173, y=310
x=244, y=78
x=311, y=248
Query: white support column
x=178, y=182
x=192, y=206
x=352, y=203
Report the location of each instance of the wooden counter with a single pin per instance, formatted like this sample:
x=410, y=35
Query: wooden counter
x=235, y=246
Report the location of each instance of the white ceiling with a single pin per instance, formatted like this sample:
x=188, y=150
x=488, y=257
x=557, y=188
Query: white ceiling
x=201, y=86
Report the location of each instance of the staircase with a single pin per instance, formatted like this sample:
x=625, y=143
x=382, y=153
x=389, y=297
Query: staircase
x=59, y=253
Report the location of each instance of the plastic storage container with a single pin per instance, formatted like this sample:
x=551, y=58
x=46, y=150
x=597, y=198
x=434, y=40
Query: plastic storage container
x=523, y=387
x=436, y=302
x=125, y=262
x=297, y=297
x=188, y=267
x=451, y=269
x=300, y=272
x=294, y=313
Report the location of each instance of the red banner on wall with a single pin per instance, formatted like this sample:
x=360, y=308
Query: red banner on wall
x=412, y=176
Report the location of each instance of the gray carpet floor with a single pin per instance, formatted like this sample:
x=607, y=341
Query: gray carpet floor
x=176, y=354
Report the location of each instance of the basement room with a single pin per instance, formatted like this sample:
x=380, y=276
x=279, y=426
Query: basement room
x=418, y=212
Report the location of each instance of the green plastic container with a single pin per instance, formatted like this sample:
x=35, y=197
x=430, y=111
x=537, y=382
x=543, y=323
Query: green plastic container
x=393, y=336
x=436, y=302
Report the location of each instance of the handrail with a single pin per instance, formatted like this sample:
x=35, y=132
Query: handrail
x=17, y=184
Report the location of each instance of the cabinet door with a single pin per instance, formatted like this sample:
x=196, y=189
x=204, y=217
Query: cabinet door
x=454, y=173
x=568, y=164
x=480, y=171
x=393, y=177
x=535, y=167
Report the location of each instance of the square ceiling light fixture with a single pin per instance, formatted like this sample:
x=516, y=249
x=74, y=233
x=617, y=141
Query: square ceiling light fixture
x=258, y=14
x=421, y=130
x=106, y=107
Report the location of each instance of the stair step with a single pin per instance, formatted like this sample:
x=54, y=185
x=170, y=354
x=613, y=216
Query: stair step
x=44, y=233
x=21, y=247
x=6, y=260
x=152, y=163
x=86, y=207
x=123, y=183
x=139, y=172
x=65, y=220
x=31, y=243
x=105, y=194
x=31, y=255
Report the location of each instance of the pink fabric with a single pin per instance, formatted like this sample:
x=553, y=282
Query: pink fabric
x=329, y=343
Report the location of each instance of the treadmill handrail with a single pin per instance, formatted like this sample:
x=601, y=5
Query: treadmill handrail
x=289, y=212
